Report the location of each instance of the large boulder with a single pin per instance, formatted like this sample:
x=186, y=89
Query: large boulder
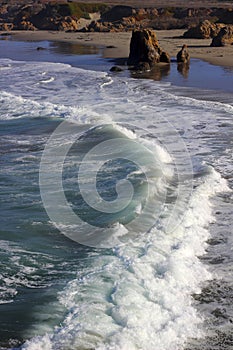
x=224, y=37
x=144, y=48
x=203, y=30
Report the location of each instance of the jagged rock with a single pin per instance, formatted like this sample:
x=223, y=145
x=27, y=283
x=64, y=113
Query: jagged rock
x=23, y=15
x=67, y=24
x=224, y=37
x=26, y=25
x=144, y=48
x=128, y=21
x=183, y=55
x=203, y=30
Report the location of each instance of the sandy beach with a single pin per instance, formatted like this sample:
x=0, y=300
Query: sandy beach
x=116, y=45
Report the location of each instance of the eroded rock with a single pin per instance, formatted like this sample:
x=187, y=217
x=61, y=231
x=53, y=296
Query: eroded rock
x=204, y=30
x=145, y=50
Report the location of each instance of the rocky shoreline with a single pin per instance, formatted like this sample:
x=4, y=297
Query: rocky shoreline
x=85, y=21
x=115, y=46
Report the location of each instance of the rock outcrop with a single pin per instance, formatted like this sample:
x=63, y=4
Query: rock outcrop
x=183, y=55
x=145, y=51
x=55, y=15
x=224, y=37
x=117, y=13
x=203, y=30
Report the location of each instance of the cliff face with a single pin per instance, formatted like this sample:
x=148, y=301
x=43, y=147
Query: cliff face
x=65, y=16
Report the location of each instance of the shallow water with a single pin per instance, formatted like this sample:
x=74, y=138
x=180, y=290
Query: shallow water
x=154, y=274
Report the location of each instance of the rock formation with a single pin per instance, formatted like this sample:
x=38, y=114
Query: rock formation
x=183, y=55
x=145, y=51
x=26, y=25
x=224, y=37
x=203, y=30
x=117, y=13
x=51, y=15
x=96, y=26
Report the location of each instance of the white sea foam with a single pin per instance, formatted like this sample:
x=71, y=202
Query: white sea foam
x=140, y=298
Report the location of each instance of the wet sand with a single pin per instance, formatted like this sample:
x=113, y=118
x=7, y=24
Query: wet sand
x=116, y=45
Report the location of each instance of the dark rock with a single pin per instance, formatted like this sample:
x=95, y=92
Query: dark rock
x=116, y=69
x=142, y=67
x=39, y=48
x=96, y=26
x=164, y=57
x=224, y=37
x=49, y=18
x=183, y=55
x=117, y=13
x=144, y=48
x=219, y=313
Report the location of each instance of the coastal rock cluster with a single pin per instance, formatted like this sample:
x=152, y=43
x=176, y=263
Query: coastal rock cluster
x=202, y=23
x=65, y=15
x=222, y=34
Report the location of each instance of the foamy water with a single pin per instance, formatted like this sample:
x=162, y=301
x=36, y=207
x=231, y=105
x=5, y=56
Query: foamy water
x=144, y=290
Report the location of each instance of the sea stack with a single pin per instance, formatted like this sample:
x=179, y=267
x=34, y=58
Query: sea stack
x=183, y=55
x=145, y=49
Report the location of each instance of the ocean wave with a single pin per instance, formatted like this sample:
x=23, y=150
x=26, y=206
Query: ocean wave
x=140, y=296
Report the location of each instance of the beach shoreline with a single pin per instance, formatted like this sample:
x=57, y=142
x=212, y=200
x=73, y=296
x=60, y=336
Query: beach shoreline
x=116, y=45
